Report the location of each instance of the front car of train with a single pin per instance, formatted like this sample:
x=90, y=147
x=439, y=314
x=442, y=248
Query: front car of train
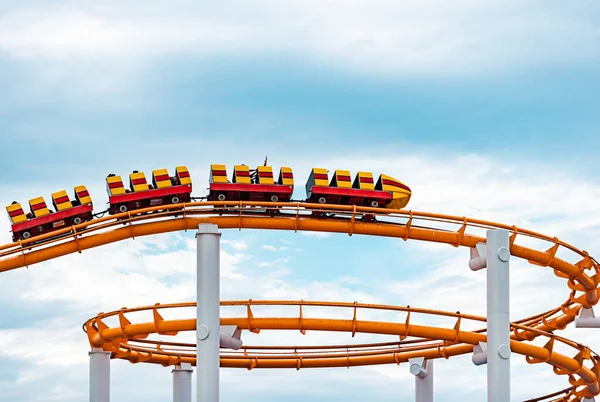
x=386, y=193
x=400, y=192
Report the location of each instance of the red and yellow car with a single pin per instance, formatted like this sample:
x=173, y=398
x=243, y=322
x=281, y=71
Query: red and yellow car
x=163, y=190
x=41, y=219
x=386, y=193
x=247, y=185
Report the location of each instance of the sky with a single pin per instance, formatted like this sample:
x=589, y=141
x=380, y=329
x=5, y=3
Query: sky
x=486, y=110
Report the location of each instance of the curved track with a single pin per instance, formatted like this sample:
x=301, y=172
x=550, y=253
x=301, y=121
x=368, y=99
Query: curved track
x=580, y=269
x=128, y=341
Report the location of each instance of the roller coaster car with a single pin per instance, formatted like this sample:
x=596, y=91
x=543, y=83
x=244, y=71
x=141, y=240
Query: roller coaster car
x=387, y=193
x=42, y=220
x=164, y=190
x=246, y=185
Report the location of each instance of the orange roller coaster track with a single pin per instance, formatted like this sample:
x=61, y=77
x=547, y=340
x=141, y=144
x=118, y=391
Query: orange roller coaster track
x=581, y=271
x=128, y=341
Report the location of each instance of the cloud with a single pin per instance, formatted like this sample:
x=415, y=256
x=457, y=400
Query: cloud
x=272, y=248
x=417, y=37
x=348, y=279
x=318, y=235
x=278, y=261
x=239, y=245
x=268, y=247
x=63, y=32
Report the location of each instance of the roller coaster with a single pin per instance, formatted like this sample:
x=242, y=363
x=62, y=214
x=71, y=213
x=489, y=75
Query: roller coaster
x=165, y=190
x=129, y=340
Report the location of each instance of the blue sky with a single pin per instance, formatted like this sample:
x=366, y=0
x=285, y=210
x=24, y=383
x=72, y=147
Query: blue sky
x=261, y=102
x=484, y=110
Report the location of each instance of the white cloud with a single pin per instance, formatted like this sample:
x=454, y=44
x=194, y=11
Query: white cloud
x=318, y=235
x=278, y=261
x=420, y=37
x=268, y=247
x=348, y=279
x=273, y=248
x=239, y=245
x=48, y=349
x=63, y=32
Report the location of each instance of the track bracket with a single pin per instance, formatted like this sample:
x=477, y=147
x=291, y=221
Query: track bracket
x=587, y=319
x=479, y=354
x=478, y=257
x=230, y=337
x=418, y=367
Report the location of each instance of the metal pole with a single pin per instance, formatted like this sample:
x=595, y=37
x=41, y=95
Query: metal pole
x=498, y=316
x=208, y=241
x=182, y=382
x=99, y=375
x=423, y=371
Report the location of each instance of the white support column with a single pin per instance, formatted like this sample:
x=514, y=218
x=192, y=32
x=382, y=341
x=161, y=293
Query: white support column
x=99, y=375
x=423, y=371
x=182, y=382
x=498, y=316
x=208, y=241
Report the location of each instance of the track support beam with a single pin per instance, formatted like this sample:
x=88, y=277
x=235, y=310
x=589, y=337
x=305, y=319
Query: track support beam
x=99, y=375
x=208, y=243
x=498, y=315
x=423, y=371
x=587, y=319
x=479, y=354
x=182, y=382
